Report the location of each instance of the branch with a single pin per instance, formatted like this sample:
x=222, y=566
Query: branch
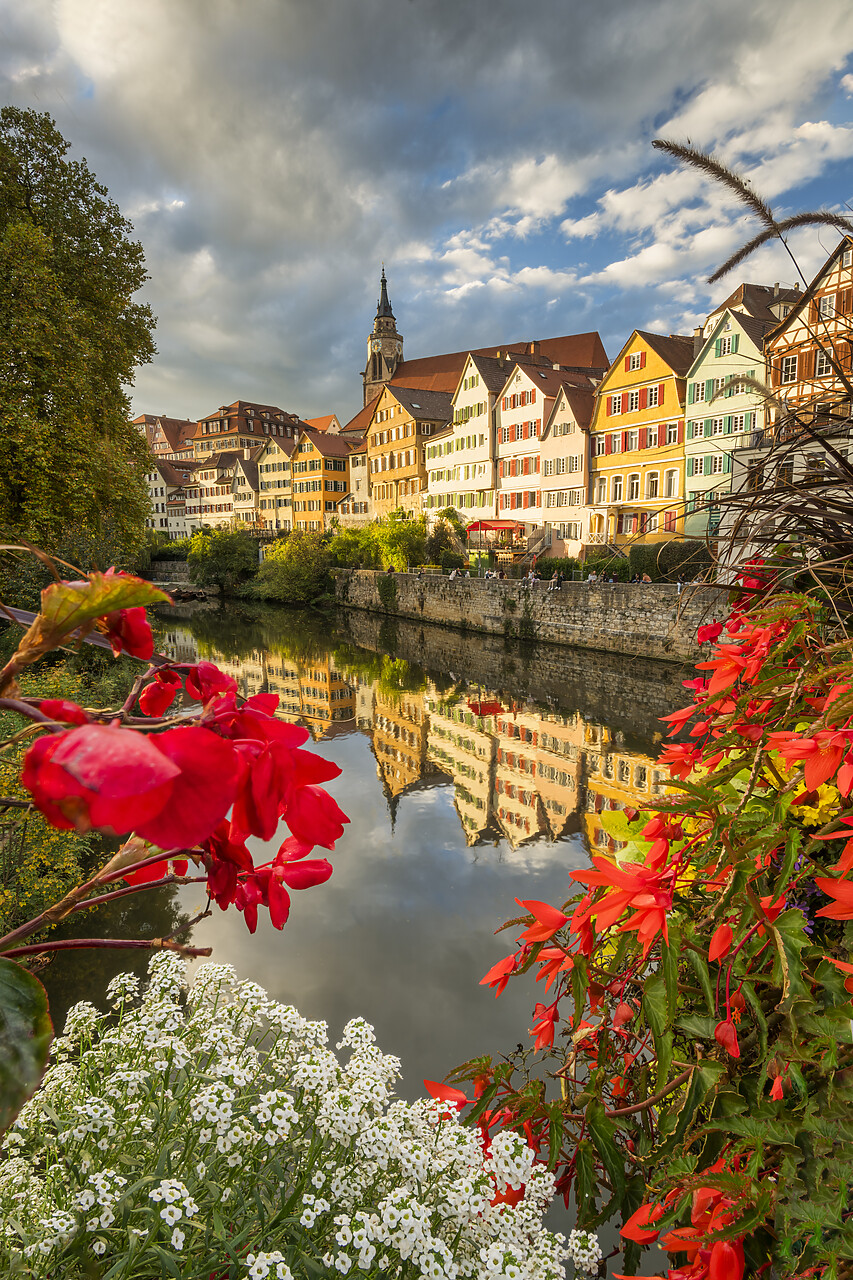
x=115, y=944
x=649, y=1102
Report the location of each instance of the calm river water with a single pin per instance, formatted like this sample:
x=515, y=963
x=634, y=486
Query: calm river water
x=473, y=774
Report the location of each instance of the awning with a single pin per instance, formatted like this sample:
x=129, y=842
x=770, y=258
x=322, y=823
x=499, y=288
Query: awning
x=490, y=707
x=479, y=525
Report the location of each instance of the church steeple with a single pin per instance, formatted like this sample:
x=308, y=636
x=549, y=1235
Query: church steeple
x=384, y=346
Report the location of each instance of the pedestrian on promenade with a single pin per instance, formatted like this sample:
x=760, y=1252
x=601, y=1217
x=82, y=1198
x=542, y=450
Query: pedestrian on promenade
x=646, y=578
x=592, y=578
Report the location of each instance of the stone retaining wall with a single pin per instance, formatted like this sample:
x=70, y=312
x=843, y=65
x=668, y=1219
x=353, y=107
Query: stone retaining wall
x=641, y=620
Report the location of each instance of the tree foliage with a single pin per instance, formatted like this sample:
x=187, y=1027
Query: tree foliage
x=295, y=570
x=70, y=338
x=222, y=558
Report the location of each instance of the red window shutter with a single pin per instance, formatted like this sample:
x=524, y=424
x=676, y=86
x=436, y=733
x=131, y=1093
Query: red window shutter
x=661, y=392
x=539, y=497
x=627, y=364
x=538, y=464
x=774, y=372
x=609, y=406
x=642, y=359
x=808, y=364
x=533, y=396
x=813, y=315
x=624, y=441
x=607, y=440
x=644, y=397
x=847, y=302
x=680, y=436
x=644, y=435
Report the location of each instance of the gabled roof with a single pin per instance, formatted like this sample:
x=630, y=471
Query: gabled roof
x=581, y=401
x=442, y=373
x=175, y=473
x=329, y=446
x=676, y=349
x=435, y=405
x=250, y=470
x=224, y=460
x=846, y=242
x=756, y=300
x=548, y=380
x=286, y=443
x=755, y=330
x=359, y=424
x=322, y=424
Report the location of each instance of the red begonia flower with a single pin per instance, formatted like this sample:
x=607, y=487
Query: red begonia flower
x=159, y=695
x=156, y=871
x=225, y=857
x=499, y=974
x=313, y=816
x=303, y=875
x=205, y=681
x=291, y=849
x=710, y=632
x=546, y=1018
x=446, y=1093
x=256, y=809
x=842, y=892
x=726, y=1261
x=129, y=630
x=720, y=943
x=548, y=920
x=726, y=1036
x=61, y=709
x=639, y=1226
x=203, y=791
x=99, y=776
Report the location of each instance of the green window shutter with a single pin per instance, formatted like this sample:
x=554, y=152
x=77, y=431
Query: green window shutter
x=708, y=461
x=707, y=431
x=727, y=462
x=709, y=388
x=691, y=393
x=718, y=348
x=690, y=466
x=735, y=339
x=728, y=425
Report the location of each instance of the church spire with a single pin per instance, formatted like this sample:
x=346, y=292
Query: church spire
x=383, y=306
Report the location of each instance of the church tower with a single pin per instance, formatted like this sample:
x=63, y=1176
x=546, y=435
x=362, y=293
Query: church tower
x=384, y=346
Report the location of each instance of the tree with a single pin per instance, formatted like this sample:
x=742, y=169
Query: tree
x=222, y=558
x=70, y=338
x=296, y=570
x=402, y=540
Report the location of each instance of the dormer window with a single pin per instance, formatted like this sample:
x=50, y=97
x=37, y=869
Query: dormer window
x=635, y=360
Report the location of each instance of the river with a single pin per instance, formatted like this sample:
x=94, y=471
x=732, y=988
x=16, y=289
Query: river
x=473, y=774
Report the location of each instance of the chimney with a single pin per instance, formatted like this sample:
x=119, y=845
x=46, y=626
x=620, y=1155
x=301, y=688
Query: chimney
x=533, y=347
x=776, y=289
x=698, y=341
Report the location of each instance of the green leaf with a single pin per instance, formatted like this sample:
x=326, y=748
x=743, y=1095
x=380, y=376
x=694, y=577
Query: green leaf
x=25, y=1035
x=697, y=1026
x=602, y=1132
x=792, y=849
x=585, y=1184
x=65, y=606
x=655, y=1008
x=699, y=965
x=789, y=936
x=555, y=1133
x=670, y=955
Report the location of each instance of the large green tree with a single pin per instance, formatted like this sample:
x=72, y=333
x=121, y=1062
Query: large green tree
x=70, y=338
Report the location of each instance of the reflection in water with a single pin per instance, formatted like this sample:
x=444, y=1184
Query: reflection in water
x=462, y=798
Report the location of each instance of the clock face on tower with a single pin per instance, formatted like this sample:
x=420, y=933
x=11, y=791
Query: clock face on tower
x=375, y=346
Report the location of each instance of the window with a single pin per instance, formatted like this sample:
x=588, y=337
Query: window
x=598, y=445
x=847, y=258
x=616, y=489
x=601, y=489
x=633, y=401
x=822, y=365
x=670, y=484
x=652, y=484
x=698, y=391
x=633, y=440
x=505, y=435
x=826, y=306
x=652, y=396
x=725, y=347
x=651, y=438
x=652, y=525
x=616, y=442
x=633, y=488
x=672, y=433
x=718, y=426
x=788, y=372
x=614, y=404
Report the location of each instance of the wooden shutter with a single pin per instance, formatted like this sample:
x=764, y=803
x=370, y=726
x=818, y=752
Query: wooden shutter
x=813, y=315
x=846, y=301
x=808, y=364
x=708, y=464
x=607, y=441
x=624, y=441
x=775, y=372
x=735, y=341
x=706, y=428
x=680, y=436
x=691, y=393
x=709, y=388
x=627, y=364
x=728, y=425
x=718, y=348
x=661, y=390
x=644, y=436
x=533, y=396
x=644, y=397
x=727, y=462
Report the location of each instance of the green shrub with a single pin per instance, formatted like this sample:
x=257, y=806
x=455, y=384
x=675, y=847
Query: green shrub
x=451, y=560
x=666, y=561
x=295, y=570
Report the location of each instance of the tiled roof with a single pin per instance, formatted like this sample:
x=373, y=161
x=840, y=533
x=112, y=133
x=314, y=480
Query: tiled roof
x=581, y=401
x=550, y=380
x=675, y=349
x=329, y=446
x=442, y=373
x=250, y=470
x=757, y=330
x=223, y=460
x=176, y=473
x=846, y=242
x=359, y=424
x=435, y=405
x=756, y=300
x=322, y=424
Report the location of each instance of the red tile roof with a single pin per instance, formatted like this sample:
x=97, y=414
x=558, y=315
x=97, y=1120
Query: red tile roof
x=322, y=424
x=329, y=446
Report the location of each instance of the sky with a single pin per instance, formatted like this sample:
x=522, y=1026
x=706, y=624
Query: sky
x=272, y=154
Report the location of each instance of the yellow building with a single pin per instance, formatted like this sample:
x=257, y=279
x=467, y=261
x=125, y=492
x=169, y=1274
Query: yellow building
x=402, y=419
x=615, y=778
x=319, y=479
x=637, y=443
x=400, y=729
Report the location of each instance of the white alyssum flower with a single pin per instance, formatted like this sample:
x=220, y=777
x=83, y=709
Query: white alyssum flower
x=179, y=1101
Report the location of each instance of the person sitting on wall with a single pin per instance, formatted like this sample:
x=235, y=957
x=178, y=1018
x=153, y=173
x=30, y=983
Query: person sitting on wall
x=554, y=584
x=593, y=577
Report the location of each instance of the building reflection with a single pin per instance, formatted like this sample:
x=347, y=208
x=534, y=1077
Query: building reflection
x=520, y=772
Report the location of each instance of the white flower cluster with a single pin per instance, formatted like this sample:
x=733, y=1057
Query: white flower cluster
x=178, y=1102
x=584, y=1252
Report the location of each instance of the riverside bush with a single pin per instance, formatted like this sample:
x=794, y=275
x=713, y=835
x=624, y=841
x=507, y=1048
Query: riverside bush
x=212, y=1132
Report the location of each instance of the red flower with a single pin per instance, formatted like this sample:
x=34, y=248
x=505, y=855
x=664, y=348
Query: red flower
x=98, y=776
x=203, y=791
x=726, y=1261
x=710, y=632
x=159, y=695
x=546, y=1019
x=720, y=943
x=548, y=920
x=821, y=754
x=205, y=681
x=224, y=859
x=681, y=759
x=776, y=1092
x=842, y=892
x=446, y=1093
x=499, y=974
x=61, y=709
x=726, y=1036
x=156, y=871
x=314, y=817
x=129, y=630
x=639, y=1226
x=624, y=1013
